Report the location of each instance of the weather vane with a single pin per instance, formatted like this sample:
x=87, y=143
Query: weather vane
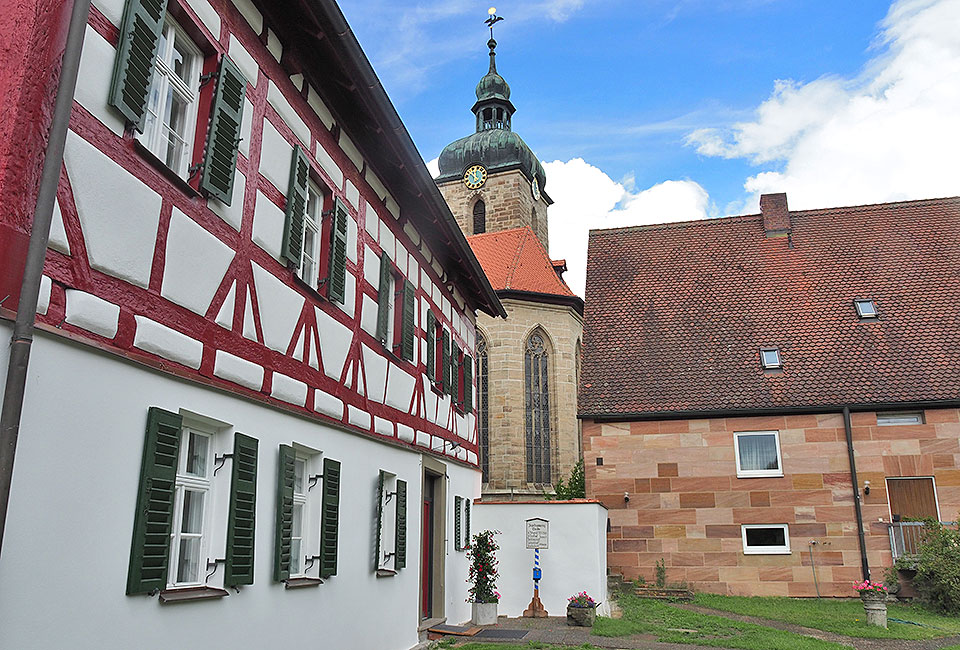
x=492, y=20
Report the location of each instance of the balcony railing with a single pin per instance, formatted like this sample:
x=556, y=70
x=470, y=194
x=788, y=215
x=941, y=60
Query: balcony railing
x=906, y=536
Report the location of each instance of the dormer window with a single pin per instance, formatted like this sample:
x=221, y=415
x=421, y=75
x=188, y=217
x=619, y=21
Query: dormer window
x=865, y=308
x=770, y=359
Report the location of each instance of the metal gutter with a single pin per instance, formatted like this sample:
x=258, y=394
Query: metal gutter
x=22, y=340
x=848, y=429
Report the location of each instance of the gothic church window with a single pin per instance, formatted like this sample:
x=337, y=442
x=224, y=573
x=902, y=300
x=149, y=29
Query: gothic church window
x=479, y=217
x=537, y=390
x=483, y=409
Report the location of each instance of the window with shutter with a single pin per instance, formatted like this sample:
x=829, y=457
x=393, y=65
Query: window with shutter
x=330, y=518
x=150, y=549
x=466, y=524
x=223, y=141
x=297, y=197
x=408, y=327
x=337, y=265
x=446, y=366
x=431, y=346
x=241, y=523
x=401, y=518
x=385, y=300
x=467, y=384
x=378, y=523
x=143, y=22
x=456, y=377
x=286, y=468
x=457, y=524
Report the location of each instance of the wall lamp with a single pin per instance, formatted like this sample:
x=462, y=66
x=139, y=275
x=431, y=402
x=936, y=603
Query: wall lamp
x=866, y=487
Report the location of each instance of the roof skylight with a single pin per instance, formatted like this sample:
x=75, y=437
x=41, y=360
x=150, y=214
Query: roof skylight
x=770, y=358
x=865, y=308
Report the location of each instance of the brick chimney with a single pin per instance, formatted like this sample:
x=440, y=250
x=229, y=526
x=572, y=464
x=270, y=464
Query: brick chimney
x=776, y=215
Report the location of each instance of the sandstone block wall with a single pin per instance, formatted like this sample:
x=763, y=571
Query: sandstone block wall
x=687, y=504
x=506, y=344
x=509, y=202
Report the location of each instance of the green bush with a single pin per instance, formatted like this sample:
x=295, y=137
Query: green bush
x=938, y=568
x=576, y=487
x=661, y=571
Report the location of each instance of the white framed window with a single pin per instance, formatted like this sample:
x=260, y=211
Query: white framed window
x=899, y=418
x=766, y=539
x=758, y=454
x=309, y=270
x=299, y=541
x=865, y=308
x=170, y=121
x=770, y=358
x=193, y=503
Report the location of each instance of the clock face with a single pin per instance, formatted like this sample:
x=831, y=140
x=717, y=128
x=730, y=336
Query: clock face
x=475, y=177
x=535, y=188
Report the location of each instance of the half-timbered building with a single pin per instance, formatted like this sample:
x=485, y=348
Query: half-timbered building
x=252, y=379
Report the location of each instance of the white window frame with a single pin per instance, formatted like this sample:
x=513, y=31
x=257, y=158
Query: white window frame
x=388, y=525
x=859, y=303
x=185, y=482
x=313, y=223
x=768, y=366
x=766, y=550
x=163, y=79
x=758, y=473
x=301, y=500
x=888, y=419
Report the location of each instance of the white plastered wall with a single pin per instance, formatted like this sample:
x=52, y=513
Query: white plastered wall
x=71, y=515
x=576, y=560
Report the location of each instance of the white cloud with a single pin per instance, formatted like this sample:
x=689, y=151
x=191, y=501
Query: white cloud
x=434, y=167
x=586, y=198
x=890, y=134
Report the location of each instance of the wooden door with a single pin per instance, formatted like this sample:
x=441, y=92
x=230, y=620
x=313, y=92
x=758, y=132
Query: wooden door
x=912, y=498
x=426, y=546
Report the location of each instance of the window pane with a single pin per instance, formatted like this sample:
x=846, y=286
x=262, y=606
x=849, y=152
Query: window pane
x=188, y=568
x=198, y=448
x=766, y=537
x=180, y=56
x=297, y=520
x=192, y=521
x=299, y=473
x=295, y=557
x=758, y=452
x=771, y=358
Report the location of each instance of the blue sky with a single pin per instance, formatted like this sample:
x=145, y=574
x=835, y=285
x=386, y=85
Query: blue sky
x=656, y=110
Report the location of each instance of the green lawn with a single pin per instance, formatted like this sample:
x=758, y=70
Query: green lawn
x=643, y=616
x=532, y=645
x=839, y=616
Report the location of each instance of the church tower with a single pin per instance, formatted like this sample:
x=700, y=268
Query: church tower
x=527, y=365
x=491, y=179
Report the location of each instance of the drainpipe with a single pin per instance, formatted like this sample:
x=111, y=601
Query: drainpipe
x=865, y=566
x=36, y=254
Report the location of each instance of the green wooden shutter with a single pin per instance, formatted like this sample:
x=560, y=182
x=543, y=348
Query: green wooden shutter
x=455, y=362
x=379, y=521
x=384, y=296
x=296, y=207
x=467, y=384
x=445, y=370
x=466, y=523
x=401, y=557
x=409, y=311
x=136, y=52
x=431, y=346
x=338, y=254
x=241, y=523
x=286, y=467
x=223, y=142
x=457, y=528
x=330, y=518
x=153, y=521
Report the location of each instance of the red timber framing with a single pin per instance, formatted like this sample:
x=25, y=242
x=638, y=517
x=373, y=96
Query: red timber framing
x=74, y=271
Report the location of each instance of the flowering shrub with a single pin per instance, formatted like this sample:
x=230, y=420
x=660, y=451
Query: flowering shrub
x=581, y=600
x=483, y=568
x=868, y=586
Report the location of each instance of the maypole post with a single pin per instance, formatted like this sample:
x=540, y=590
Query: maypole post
x=538, y=537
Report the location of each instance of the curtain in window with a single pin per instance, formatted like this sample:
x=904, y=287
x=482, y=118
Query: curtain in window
x=483, y=410
x=537, y=391
x=758, y=452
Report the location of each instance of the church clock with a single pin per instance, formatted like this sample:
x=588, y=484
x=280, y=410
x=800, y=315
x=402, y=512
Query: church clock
x=535, y=189
x=475, y=177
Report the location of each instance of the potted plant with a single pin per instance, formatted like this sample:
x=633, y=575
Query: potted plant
x=874, y=597
x=483, y=574
x=581, y=610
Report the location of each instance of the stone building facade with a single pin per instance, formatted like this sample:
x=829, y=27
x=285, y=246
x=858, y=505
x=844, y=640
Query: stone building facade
x=526, y=364
x=770, y=402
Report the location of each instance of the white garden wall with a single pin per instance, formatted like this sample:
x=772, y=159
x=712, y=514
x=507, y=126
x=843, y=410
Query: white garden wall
x=576, y=560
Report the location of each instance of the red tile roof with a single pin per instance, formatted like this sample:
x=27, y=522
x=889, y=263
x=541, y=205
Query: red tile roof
x=676, y=314
x=515, y=260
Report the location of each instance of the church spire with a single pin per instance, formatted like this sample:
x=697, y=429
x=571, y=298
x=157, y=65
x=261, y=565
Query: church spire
x=493, y=108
